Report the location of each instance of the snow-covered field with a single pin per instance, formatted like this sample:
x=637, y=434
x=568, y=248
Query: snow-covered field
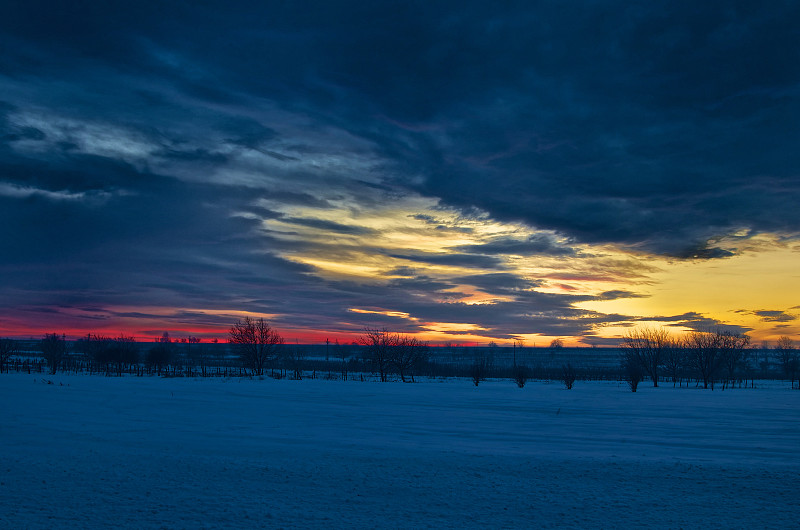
x=191, y=453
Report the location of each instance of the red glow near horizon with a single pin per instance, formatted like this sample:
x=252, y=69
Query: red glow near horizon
x=206, y=334
x=149, y=328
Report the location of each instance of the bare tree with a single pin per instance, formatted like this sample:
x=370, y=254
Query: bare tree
x=702, y=348
x=556, y=344
x=406, y=354
x=256, y=342
x=379, y=344
x=631, y=369
x=342, y=354
x=124, y=353
x=160, y=356
x=98, y=350
x=708, y=351
x=520, y=374
x=675, y=360
x=568, y=375
x=733, y=351
x=294, y=359
x=8, y=347
x=197, y=355
x=647, y=347
x=787, y=358
x=517, y=344
x=480, y=368
x=54, y=348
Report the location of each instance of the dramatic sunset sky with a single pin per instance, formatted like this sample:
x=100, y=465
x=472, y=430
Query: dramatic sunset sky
x=459, y=170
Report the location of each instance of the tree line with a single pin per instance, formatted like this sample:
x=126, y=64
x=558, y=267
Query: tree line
x=710, y=357
x=254, y=348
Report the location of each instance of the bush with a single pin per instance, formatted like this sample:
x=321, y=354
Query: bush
x=54, y=348
x=632, y=371
x=568, y=375
x=520, y=375
x=479, y=370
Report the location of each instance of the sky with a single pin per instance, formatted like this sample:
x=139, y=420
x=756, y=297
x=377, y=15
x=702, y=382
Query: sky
x=460, y=171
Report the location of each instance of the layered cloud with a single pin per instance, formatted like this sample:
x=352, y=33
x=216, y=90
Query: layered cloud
x=455, y=169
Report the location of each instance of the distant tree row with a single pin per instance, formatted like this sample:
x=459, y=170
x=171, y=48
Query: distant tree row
x=708, y=357
x=8, y=348
x=387, y=351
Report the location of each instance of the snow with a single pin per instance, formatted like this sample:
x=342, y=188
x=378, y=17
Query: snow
x=94, y=452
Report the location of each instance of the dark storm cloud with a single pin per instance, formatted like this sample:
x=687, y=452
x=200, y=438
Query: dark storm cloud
x=654, y=126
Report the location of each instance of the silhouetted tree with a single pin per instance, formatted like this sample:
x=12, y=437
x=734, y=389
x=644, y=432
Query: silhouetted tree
x=568, y=375
x=675, y=360
x=480, y=368
x=556, y=344
x=407, y=353
x=54, y=348
x=98, y=350
x=8, y=348
x=378, y=343
x=787, y=358
x=342, y=354
x=707, y=352
x=197, y=355
x=647, y=347
x=517, y=344
x=256, y=342
x=160, y=356
x=294, y=359
x=733, y=349
x=702, y=348
x=123, y=353
x=520, y=374
x=631, y=369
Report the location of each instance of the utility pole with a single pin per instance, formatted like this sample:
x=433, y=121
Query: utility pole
x=515, y=353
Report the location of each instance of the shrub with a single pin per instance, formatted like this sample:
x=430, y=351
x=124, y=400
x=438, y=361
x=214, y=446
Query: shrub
x=568, y=375
x=520, y=375
x=479, y=370
x=632, y=371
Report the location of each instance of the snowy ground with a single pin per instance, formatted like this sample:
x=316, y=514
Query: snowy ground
x=183, y=453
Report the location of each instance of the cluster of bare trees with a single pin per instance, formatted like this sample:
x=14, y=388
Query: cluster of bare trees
x=110, y=355
x=710, y=356
x=387, y=351
x=481, y=367
x=8, y=347
x=161, y=355
x=54, y=350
